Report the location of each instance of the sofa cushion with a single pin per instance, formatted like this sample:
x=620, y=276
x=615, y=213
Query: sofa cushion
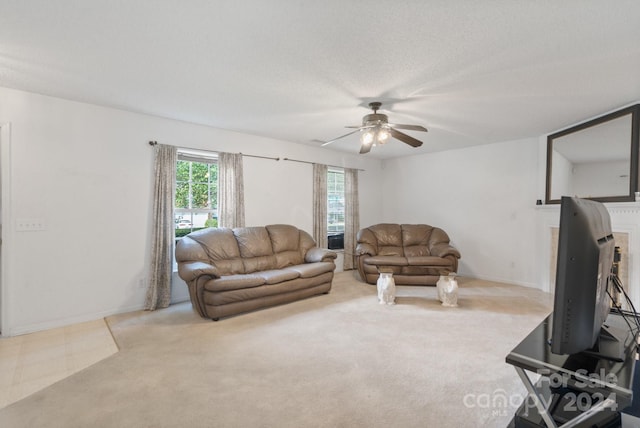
x=230, y=266
x=190, y=250
x=219, y=243
x=306, y=242
x=253, y=242
x=221, y=248
x=234, y=282
x=256, y=264
x=233, y=297
x=277, y=276
x=288, y=258
x=255, y=249
x=285, y=243
x=284, y=237
x=309, y=270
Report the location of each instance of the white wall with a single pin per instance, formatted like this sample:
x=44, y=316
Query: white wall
x=86, y=172
x=562, y=180
x=483, y=197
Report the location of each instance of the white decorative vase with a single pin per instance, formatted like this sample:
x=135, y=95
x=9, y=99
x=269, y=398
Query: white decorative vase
x=448, y=289
x=440, y=285
x=386, y=289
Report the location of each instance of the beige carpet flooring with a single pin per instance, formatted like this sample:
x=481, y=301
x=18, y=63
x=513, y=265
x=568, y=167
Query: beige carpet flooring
x=336, y=360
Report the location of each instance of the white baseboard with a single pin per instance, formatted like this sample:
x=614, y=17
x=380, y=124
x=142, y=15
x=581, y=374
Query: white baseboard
x=63, y=322
x=503, y=280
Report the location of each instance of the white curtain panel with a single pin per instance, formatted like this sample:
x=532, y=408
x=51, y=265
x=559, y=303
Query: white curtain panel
x=320, y=205
x=162, y=233
x=351, y=216
x=230, y=190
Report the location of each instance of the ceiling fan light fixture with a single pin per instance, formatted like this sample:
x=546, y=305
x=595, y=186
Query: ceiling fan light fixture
x=376, y=130
x=383, y=134
x=367, y=136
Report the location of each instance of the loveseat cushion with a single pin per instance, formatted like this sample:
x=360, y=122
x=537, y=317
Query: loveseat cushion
x=387, y=234
x=386, y=260
x=415, y=238
x=415, y=234
x=391, y=251
x=388, y=239
x=428, y=261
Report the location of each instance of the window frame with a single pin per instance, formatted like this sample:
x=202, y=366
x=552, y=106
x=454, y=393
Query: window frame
x=335, y=237
x=201, y=157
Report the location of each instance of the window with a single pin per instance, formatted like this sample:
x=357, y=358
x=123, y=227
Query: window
x=196, y=201
x=335, y=208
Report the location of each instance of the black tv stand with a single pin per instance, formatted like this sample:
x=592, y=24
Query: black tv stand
x=611, y=344
x=598, y=386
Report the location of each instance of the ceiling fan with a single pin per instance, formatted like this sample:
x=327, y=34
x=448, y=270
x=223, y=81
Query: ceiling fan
x=376, y=129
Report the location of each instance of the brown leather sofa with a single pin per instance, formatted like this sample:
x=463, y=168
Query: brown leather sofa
x=417, y=254
x=230, y=271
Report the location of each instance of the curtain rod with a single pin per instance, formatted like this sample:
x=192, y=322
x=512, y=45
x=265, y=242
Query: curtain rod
x=260, y=157
x=311, y=163
x=155, y=143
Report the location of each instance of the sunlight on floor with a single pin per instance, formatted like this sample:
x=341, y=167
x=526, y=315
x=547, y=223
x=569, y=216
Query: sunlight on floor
x=31, y=362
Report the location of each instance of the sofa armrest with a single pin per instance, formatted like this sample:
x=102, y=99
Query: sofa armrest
x=365, y=249
x=317, y=254
x=444, y=249
x=190, y=271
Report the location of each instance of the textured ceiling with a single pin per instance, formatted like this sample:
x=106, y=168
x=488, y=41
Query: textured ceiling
x=472, y=72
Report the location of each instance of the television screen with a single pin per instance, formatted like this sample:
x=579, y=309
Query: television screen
x=585, y=258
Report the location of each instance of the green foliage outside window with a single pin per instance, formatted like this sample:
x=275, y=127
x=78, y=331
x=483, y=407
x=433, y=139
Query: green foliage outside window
x=196, y=185
x=196, y=196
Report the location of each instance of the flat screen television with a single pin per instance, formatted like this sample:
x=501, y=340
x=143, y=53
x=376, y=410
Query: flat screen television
x=581, y=304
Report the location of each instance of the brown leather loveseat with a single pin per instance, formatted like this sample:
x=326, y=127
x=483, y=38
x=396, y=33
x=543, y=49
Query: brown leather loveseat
x=417, y=254
x=230, y=271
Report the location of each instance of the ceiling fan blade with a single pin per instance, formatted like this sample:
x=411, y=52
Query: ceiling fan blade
x=405, y=138
x=410, y=127
x=365, y=148
x=326, y=143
